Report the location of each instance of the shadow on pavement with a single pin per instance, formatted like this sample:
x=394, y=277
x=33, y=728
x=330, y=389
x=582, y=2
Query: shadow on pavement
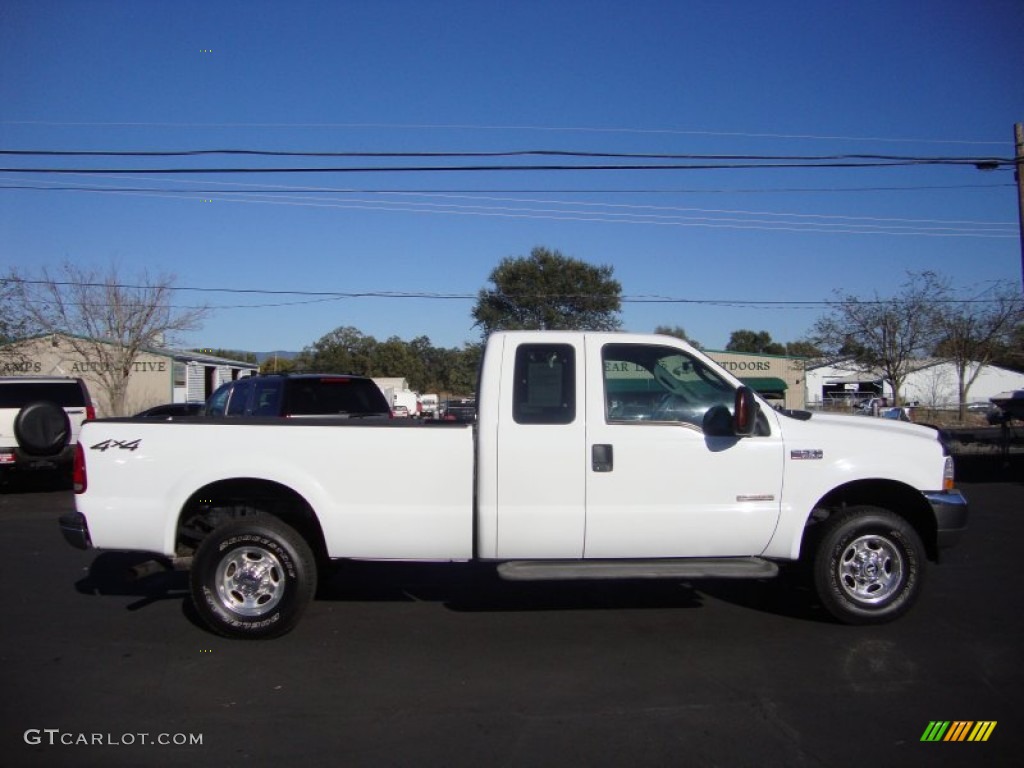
x=467, y=587
x=134, y=574
x=475, y=587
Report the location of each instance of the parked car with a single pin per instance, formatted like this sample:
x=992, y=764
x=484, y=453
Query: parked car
x=870, y=405
x=430, y=406
x=172, y=411
x=459, y=410
x=300, y=395
x=40, y=417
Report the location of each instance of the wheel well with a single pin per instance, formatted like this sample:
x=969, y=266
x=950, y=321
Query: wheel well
x=900, y=499
x=225, y=500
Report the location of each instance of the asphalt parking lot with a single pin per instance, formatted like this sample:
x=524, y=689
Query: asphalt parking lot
x=444, y=665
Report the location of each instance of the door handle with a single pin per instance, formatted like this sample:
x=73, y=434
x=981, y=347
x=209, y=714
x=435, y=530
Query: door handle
x=601, y=457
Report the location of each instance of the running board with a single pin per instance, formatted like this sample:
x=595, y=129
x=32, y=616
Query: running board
x=684, y=568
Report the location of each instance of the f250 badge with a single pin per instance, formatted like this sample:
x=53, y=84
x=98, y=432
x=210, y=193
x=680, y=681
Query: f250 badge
x=124, y=445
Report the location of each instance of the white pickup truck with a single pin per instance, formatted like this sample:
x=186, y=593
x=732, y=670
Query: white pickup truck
x=594, y=455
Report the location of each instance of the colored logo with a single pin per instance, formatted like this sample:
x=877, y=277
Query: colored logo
x=958, y=730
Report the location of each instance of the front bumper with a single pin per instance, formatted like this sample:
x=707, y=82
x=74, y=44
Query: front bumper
x=950, y=510
x=76, y=530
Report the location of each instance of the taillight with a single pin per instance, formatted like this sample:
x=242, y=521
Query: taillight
x=948, y=475
x=90, y=412
x=79, y=478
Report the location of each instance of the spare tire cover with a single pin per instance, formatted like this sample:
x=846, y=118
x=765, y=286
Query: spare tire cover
x=42, y=428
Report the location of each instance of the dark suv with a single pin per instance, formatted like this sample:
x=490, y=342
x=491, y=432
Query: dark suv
x=39, y=421
x=297, y=395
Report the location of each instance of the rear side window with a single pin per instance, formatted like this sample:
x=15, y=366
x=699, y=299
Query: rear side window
x=266, y=399
x=334, y=395
x=65, y=394
x=218, y=401
x=545, y=386
x=239, y=397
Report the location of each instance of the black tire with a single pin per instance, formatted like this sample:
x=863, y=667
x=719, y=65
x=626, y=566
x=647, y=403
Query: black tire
x=253, y=578
x=42, y=428
x=869, y=565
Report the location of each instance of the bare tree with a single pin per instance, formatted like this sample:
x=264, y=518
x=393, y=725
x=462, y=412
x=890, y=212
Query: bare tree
x=974, y=332
x=105, y=320
x=13, y=326
x=887, y=334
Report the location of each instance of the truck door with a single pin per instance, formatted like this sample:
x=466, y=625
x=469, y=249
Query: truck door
x=664, y=477
x=540, y=446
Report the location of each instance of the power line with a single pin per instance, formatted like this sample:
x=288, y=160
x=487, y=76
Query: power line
x=621, y=213
x=483, y=127
x=461, y=296
x=769, y=165
x=500, y=153
x=484, y=190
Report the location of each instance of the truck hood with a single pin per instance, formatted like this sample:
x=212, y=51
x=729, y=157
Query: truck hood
x=861, y=448
x=880, y=436
x=872, y=425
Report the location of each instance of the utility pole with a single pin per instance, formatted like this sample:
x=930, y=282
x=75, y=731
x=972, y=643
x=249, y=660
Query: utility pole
x=1018, y=174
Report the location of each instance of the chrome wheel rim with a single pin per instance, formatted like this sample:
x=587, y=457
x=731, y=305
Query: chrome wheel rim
x=250, y=581
x=871, y=569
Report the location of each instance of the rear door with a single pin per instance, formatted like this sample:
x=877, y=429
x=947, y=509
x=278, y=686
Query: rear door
x=540, y=461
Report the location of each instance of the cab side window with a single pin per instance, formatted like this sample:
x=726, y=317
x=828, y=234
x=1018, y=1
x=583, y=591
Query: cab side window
x=645, y=383
x=545, y=384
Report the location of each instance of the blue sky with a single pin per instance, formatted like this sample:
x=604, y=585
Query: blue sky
x=921, y=79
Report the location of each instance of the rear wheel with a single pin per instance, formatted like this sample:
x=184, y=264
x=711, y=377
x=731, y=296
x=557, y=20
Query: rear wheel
x=253, y=578
x=868, y=565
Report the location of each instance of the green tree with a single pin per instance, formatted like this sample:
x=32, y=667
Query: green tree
x=395, y=357
x=802, y=349
x=679, y=332
x=548, y=291
x=427, y=368
x=758, y=342
x=343, y=350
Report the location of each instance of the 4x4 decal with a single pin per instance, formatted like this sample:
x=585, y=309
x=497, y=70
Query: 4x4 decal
x=125, y=445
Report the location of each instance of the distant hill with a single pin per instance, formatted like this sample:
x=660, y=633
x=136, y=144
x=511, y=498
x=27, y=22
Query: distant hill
x=261, y=357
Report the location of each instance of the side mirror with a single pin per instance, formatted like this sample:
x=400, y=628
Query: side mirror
x=744, y=413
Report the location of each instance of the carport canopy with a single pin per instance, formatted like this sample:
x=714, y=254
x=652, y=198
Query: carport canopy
x=765, y=385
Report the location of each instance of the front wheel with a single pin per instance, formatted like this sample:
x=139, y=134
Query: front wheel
x=253, y=578
x=868, y=566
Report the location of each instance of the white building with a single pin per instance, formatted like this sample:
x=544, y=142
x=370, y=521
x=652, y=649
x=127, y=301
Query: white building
x=932, y=383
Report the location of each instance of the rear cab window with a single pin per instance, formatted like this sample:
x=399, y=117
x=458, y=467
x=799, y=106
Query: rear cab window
x=65, y=394
x=545, y=384
x=334, y=395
